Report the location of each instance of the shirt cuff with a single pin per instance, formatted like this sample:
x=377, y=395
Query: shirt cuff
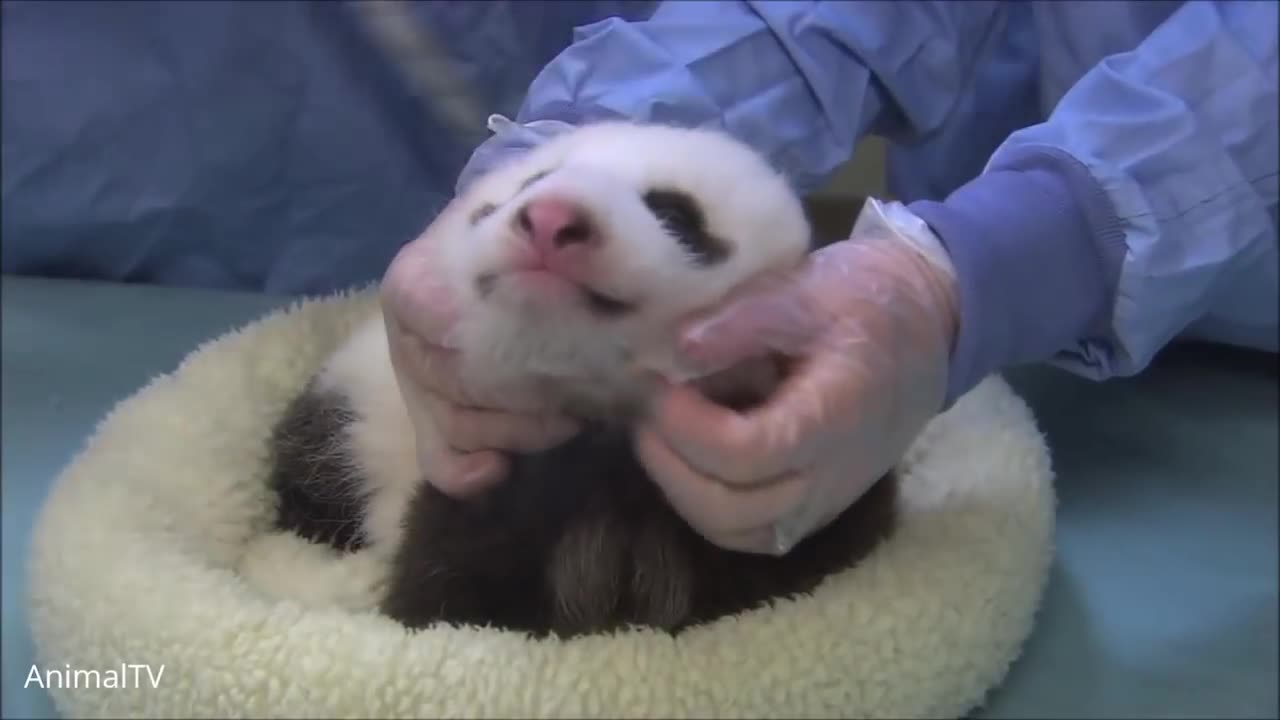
x=1037, y=249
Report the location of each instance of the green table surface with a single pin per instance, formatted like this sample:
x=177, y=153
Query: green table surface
x=1163, y=596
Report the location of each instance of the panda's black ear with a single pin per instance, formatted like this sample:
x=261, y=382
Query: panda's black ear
x=684, y=219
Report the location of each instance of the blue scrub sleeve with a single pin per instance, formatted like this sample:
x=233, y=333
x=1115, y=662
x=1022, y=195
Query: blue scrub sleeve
x=801, y=82
x=1096, y=237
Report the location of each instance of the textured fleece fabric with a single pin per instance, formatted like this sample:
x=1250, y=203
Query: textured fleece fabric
x=154, y=548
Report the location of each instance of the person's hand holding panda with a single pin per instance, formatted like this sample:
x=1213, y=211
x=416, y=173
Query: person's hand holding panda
x=870, y=321
x=419, y=314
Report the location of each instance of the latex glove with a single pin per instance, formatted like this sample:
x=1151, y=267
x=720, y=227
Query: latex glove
x=419, y=312
x=869, y=323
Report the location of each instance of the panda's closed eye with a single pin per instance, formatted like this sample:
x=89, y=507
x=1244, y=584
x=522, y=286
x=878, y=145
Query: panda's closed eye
x=684, y=219
x=533, y=179
x=482, y=212
x=488, y=209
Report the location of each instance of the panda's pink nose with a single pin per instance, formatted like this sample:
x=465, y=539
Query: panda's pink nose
x=553, y=225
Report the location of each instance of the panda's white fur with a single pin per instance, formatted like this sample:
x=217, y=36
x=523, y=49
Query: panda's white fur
x=509, y=340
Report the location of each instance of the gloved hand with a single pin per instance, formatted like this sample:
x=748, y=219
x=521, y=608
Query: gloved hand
x=419, y=312
x=869, y=324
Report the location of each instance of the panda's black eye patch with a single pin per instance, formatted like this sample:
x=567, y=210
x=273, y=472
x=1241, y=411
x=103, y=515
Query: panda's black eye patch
x=684, y=219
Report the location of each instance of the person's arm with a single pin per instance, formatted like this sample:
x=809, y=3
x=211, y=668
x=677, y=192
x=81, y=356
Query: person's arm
x=1093, y=239
x=801, y=82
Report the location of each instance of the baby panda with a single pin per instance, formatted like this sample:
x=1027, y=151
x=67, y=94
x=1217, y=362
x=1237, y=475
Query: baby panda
x=574, y=265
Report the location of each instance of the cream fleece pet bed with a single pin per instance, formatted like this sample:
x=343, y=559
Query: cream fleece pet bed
x=154, y=549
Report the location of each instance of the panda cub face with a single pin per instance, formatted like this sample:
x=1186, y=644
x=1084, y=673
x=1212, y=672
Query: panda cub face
x=576, y=262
